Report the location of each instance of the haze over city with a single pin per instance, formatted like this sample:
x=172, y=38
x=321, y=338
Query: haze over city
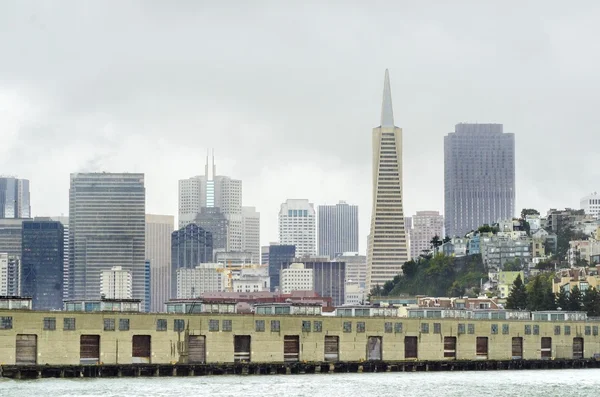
x=288, y=98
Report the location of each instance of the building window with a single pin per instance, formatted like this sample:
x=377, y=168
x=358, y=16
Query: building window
x=588, y=330
x=260, y=325
x=69, y=324
x=275, y=326
x=123, y=324
x=471, y=329
x=528, y=329
x=305, y=326
x=161, y=324
x=536, y=329
x=49, y=323
x=595, y=330
x=461, y=328
x=425, y=328
x=227, y=325
x=494, y=329
x=398, y=328
x=347, y=326
x=567, y=330
x=5, y=322
x=505, y=329
x=318, y=326
x=388, y=328
x=213, y=325
x=179, y=325
x=557, y=330
x=360, y=326
x=437, y=328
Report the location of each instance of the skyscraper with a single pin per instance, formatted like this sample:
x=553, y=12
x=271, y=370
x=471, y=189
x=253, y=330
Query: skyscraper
x=190, y=246
x=279, y=255
x=297, y=226
x=251, y=232
x=479, y=177
x=106, y=229
x=42, y=263
x=425, y=226
x=64, y=220
x=338, y=229
x=387, y=250
x=158, y=251
x=14, y=198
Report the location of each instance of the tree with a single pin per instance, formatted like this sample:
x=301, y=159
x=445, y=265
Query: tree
x=562, y=300
x=517, y=298
x=539, y=290
x=591, y=302
x=436, y=241
x=575, y=300
x=447, y=239
x=513, y=266
x=528, y=211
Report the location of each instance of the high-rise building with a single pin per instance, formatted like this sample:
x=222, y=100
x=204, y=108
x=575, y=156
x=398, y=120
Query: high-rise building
x=425, y=226
x=387, y=249
x=212, y=220
x=10, y=279
x=329, y=278
x=338, y=229
x=42, y=263
x=107, y=225
x=264, y=255
x=116, y=283
x=279, y=255
x=11, y=236
x=479, y=177
x=206, y=277
x=14, y=198
x=591, y=204
x=297, y=226
x=251, y=232
x=159, y=229
x=356, y=267
x=64, y=220
x=190, y=246
x=296, y=278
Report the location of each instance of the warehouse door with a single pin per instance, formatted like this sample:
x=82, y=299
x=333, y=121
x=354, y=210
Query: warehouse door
x=517, y=348
x=291, y=348
x=374, y=348
x=482, y=347
x=241, y=346
x=332, y=348
x=546, y=349
x=577, y=348
x=89, y=349
x=26, y=350
x=196, y=349
x=411, y=344
x=141, y=350
x=450, y=347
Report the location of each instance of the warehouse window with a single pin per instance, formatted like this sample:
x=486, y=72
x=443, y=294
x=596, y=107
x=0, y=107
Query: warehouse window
x=275, y=326
x=179, y=325
x=461, y=328
x=388, y=328
x=109, y=324
x=161, y=324
x=318, y=326
x=567, y=330
x=557, y=330
x=437, y=328
x=227, y=325
x=123, y=324
x=398, y=328
x=494, y=329
x=360, y=326
x=505, y=329
x=260, y=325
x=471, y=329
x=305, y=326
x=213, y=325
x=69, y=324
x=536, y=329
x=5, y=322
x=347, y=326
x=49, y=323
x=528, y=329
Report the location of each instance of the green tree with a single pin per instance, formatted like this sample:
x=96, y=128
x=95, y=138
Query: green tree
x=435, y=242
x=591, y=302
x=447, y=239
x=528, y=211
x=485, y=229
x=517, y=298
x=574, y=302
x=539, y=290
x=562, y=300
x=513, y=266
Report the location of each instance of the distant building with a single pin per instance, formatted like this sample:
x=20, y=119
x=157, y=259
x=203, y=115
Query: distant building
x=234, y=258
x=355, y=294
x=296, y=278
x=251, y=279
x=425, y=226
x=356, y=267
x=506, y=281
x=264, y=255
x=251, y=232
x=64, y=220
x=190, y=246
x=14, y=198
x=42, y=263
x=116, y=283
x=279, y=256
x=213, y=221
x=338, y=229
x=147, y=286
x=159, y=229
x=479, y=177
x=591, y=204
x=11, y=236
x=205, y=277
x=329, y=277
x=297, y=226
x=10, y=271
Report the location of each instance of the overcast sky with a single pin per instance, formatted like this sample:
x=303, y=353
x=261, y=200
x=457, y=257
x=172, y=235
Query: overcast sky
x=287, y=95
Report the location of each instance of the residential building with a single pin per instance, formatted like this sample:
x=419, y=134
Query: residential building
x=212, y=220
x=251, y=232
x=279, y=255
x=356, y=267
x=387, y=248
x=583, y=250
x=329, y=277
x=116, y=283
x=550, y=241
x=425, y=226
x=190, y=246
x=534, y=221
x=591, y=204
x=107, y=228
x=583, y=278
x=205, y=277
x=507, y=247
x=338, y=229
x=10, y=279
x=159, y=229
x=42, y=263
x=506, y=281
x=14, y=198
x=296, y=278
x=558, y=219
x=297, y=226
x=479, y=177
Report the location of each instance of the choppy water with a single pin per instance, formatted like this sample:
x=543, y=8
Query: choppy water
x=471, y=384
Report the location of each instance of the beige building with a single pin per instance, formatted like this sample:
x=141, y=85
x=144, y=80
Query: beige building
x=296, y=278
x=387, y=249
x=116, y=283
x=425, y=226
x=158, y=252
x=506, y=281
x=580, y=277
x=251, y=232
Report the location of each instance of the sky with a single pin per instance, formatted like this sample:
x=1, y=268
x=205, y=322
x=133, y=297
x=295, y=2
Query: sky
x=287, y=94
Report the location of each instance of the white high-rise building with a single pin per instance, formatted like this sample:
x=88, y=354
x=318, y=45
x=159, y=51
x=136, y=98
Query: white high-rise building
x=338, y=229
x=116, y=283
x=591, y=204
x=297, y=226
x=158, y=252
x=206, y=277
x=10, y=275
x=387, y=249
x=296, y=278
x=251, y=232
x=425, y=225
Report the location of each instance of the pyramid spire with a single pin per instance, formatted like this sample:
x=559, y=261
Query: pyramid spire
x=387, y=113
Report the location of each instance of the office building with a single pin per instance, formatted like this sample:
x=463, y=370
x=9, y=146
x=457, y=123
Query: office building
x=206, y=277
x=264, y=255
x=42, y=263
x=479, y=177
x=591, y=204
x=296, y=278
x=64, y=220
x=107, y=225
x=297, y=226
x=190, y=246
x=10, y=279
x=387, y=249
x=338, y=229
x=251, y=232
x=328, y=277
x=147, y=287
x=117, y=283
x=425, y=226
x=279, y=255
x=356, y=267
x=212, y=220
x=159, y=229
x=14, y=198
